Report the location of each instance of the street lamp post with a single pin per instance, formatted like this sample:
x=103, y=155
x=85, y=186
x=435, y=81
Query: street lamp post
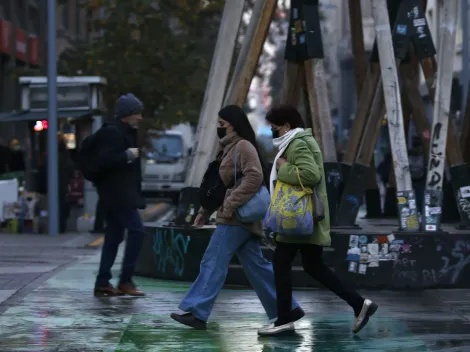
x=52, y=145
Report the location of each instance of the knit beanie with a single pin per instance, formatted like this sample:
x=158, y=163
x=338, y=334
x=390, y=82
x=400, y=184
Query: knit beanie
x=128, y=105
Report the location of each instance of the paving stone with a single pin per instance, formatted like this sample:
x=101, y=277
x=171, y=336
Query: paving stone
x=5, y=294
x=26, y=269
x=16, y=281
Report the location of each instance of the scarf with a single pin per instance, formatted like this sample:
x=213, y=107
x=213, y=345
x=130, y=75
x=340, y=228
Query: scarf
x=281, y=143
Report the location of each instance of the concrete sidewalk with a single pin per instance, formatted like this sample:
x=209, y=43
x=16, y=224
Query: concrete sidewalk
x=26, y=260
x=62, y=315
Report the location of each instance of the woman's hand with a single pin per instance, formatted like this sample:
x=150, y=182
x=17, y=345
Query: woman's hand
x=280, y=162
x=199, y=221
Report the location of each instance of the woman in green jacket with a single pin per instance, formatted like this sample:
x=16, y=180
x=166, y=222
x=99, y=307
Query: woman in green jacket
x=299, y=150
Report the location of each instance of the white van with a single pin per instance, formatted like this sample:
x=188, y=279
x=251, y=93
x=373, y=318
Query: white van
x=165, y=162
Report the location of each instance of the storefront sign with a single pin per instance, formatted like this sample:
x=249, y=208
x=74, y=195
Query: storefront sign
x=21, y=43
x=71, y=97
x=34, y=50
x=5, y=29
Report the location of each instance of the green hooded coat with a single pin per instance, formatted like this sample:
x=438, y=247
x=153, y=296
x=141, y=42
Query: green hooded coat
x=304, y=152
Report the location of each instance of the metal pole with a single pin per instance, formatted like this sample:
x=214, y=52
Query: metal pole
x=52, y=143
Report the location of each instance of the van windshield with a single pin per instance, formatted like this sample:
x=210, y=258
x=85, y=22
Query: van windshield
x=166, y=148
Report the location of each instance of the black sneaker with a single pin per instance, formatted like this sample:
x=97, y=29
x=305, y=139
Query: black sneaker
x=297, y=314
x=190, y=320
x=368, y=310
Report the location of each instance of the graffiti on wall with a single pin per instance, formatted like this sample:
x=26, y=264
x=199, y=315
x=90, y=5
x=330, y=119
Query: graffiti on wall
x=454, y=262
x=170, y=248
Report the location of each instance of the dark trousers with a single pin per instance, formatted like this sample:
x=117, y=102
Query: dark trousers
x=64, y=212
x=99, y=218
x=117, y=222
x=313, y=265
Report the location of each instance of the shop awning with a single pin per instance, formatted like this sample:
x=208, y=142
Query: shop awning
x=41, y=115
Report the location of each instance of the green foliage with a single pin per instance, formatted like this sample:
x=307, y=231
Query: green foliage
x=158, y=50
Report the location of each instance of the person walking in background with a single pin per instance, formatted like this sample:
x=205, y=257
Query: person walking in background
x=16, y=162
x=238, y=144
x=66, y=168
x=115, y=153
x=4, y=158
x=299, y=163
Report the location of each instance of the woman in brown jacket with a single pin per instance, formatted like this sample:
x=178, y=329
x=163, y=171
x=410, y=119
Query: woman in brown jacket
x=238, y=143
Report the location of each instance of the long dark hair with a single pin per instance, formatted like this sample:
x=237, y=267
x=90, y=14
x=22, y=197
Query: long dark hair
x=234, y=115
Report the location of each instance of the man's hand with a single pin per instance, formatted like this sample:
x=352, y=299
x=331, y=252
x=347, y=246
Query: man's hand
x=135, y=152
x=199, y=221
x=279, y=163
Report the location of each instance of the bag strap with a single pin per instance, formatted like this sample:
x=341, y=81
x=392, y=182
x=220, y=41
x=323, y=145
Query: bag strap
x=235, y=159
x=309, y=191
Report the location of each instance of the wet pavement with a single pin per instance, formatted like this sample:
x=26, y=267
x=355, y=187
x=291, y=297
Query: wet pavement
x=29, y=259
x=61, y=315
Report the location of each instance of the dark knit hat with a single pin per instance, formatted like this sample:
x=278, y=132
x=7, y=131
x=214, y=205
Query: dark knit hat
x=128, y=105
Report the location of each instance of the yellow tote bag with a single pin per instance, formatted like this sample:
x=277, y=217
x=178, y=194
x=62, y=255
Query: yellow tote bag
x=291, y=210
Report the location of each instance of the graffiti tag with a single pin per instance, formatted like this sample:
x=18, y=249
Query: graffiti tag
x=170, y=249
x=436, y=155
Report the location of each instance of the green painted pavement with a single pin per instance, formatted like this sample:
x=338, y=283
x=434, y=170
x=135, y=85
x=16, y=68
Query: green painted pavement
x=62, y=315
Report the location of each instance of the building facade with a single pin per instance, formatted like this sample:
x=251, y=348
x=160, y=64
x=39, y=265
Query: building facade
x=23, y=44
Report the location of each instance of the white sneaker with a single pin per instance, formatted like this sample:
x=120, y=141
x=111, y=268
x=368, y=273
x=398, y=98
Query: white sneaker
x=272, y=330
x=368, y=309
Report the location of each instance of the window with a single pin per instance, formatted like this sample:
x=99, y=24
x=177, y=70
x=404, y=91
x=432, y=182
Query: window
x=20, y=12
x=166, y=148
x=65, y=14
x=5, y=9
x=33, y=21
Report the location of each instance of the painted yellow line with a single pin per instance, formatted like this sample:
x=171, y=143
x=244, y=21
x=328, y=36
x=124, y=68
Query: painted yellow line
x=96, y=242
x=153, y=208
x=100, y=240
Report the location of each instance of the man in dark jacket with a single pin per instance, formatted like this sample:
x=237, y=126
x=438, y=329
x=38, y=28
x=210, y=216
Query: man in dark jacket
x=119, y=190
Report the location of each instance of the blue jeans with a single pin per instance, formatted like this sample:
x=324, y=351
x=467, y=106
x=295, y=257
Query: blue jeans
x=117, y=222
x=225, y=242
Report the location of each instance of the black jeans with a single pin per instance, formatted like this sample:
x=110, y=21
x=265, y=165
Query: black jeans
x=117, y=222
x=99, y=218
x=313, y=265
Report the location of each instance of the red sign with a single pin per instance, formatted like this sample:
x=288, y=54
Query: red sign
x=21, y=39
x=5, y=33
x=34, y=51
x=21, y=43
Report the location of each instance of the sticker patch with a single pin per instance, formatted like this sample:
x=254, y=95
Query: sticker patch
x=401, y=29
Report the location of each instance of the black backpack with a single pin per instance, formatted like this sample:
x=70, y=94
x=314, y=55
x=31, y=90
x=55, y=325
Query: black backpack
x=212, y=190
x=86, y=160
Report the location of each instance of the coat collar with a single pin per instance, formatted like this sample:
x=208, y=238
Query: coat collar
x=229, y=141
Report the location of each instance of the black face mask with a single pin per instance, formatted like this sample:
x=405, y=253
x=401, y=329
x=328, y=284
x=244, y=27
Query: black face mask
x=275, y=133
x=221, y=132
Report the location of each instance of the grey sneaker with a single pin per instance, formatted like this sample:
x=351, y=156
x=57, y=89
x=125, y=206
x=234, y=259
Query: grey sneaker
x=368, y=309
x=272, y=329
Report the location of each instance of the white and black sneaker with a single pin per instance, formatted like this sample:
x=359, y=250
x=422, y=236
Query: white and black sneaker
x=368, y=309
x=273, y=329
